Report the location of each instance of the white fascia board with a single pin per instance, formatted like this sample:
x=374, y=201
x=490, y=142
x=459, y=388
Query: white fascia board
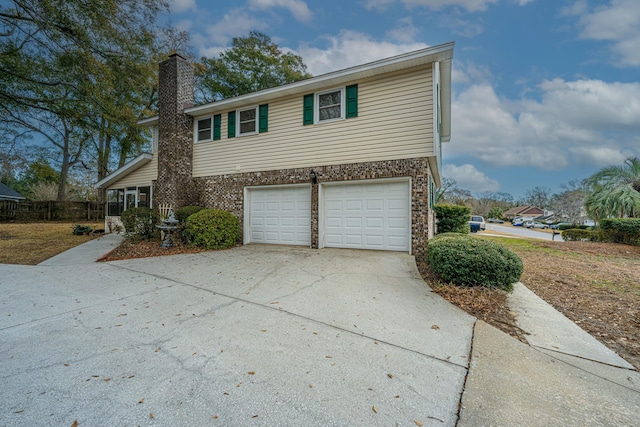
x=134, y=164
x=441, y=53
x=151, y=121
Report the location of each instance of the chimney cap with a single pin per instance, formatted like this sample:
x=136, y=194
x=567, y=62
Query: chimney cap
x=174, y=53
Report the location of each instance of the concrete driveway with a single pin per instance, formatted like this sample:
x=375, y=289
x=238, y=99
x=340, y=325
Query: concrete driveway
x=255, y=335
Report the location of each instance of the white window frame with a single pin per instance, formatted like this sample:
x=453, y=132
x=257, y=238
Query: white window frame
x=256, y=120
x=316, y=105
x=196, y=131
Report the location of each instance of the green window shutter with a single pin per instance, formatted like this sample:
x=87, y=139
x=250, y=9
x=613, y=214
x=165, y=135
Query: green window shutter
x=352, y=101
x=217, y=124
x=308, y=110
x=263, y=113
x=231, y=128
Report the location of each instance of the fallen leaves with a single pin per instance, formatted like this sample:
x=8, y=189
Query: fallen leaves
x=75, y=424
x=141, y=400
x=374, y=409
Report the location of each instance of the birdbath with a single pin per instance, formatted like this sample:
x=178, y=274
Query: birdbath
x=169, y=225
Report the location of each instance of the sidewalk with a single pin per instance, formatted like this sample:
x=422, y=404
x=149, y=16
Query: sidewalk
x=564, y=376
x=86, y=253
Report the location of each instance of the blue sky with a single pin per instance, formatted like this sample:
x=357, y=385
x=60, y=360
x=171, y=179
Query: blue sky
x=544, y=91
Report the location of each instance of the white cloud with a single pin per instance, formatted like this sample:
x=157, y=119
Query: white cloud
x=236, y=22
x=462, y=27
x=298, y=8
x=183, y=5
x=379, y=5
x=618, y=23
x=350, y=48
x=405, y=32
x=470, y=178
x=573, y=122
x=576, y=9
x=469, y=5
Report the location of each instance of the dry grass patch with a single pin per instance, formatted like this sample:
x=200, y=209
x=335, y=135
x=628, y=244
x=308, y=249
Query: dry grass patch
x=30, y=244
x=596, y=285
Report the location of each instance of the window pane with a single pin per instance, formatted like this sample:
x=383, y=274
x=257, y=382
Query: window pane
x=204, y=129
x=115, y=202
x=248, y=115
x=248, y=127
x=329, y=113
x=143, y=197
x=327, y=99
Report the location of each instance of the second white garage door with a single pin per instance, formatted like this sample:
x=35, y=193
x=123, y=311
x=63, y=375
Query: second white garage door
x=280, y=215
x=367, y=215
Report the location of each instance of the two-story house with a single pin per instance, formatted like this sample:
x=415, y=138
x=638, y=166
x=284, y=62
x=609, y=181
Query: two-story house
x=348, y=159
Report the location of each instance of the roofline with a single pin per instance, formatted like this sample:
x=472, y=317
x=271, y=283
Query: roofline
x=12, y=198
x=134, y=164
x=441, y=53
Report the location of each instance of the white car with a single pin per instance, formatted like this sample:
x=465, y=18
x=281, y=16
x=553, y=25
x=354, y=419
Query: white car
x=477, y=223
x=535, y=224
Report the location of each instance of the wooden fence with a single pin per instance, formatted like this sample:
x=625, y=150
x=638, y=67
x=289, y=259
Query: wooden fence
x=51, y=211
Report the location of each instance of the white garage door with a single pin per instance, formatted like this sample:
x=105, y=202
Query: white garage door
x=367, y=216
x=280, y=215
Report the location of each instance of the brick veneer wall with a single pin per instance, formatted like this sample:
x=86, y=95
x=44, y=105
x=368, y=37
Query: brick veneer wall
x=174, y=185
x=227, y=191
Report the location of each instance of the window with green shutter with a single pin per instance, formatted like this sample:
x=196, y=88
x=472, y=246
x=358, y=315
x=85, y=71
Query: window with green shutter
x=308, y=109
x=231, y=124
x=330, y=105
x=263, y=113
x=217, y=125
x=352, y=101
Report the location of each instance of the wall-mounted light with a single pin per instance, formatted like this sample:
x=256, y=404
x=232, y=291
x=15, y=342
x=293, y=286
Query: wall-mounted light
x=313, y=177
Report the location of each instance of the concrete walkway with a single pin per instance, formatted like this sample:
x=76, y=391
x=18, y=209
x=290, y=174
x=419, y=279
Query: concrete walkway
x=265, y=335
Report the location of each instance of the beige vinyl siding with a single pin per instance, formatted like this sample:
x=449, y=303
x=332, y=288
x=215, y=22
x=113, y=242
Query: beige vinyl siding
x=395, y=121
x=141, y=177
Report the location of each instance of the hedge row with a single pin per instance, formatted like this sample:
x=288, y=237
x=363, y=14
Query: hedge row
x=452, y=218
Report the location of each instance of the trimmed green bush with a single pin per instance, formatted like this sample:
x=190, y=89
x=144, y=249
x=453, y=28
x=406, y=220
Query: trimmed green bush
x=185, y=212
x=212, y=229
x=140, y=222
x=470, y=261
x=578, y=235
x=565, y=226
x=452, y=218
x=621, y=230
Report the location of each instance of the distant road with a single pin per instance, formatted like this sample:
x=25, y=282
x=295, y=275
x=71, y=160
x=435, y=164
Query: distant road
x=522, y=232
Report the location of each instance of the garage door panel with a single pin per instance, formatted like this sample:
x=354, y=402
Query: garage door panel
x=280, y=215
x=367, y=215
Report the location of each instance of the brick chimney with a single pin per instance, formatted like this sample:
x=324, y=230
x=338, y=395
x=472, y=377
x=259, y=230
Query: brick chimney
x=174, y=185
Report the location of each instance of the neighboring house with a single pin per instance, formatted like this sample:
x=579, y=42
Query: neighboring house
x=348, y=159
x=8, y=193
x=523, y=211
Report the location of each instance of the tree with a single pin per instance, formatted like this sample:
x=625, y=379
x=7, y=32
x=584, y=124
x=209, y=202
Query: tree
x=450, y=193
x=537, y=196
x=58, y=60
x=251, y=64
x=569, y=204
x=495, y=212
x=615, y=191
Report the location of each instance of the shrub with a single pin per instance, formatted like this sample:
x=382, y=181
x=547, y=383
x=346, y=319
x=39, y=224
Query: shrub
x=212, y=229
x=185, y=212
x=578, y=235
x=470, y=261
x=452, y=218
x=140, y=222
x=621, y=230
